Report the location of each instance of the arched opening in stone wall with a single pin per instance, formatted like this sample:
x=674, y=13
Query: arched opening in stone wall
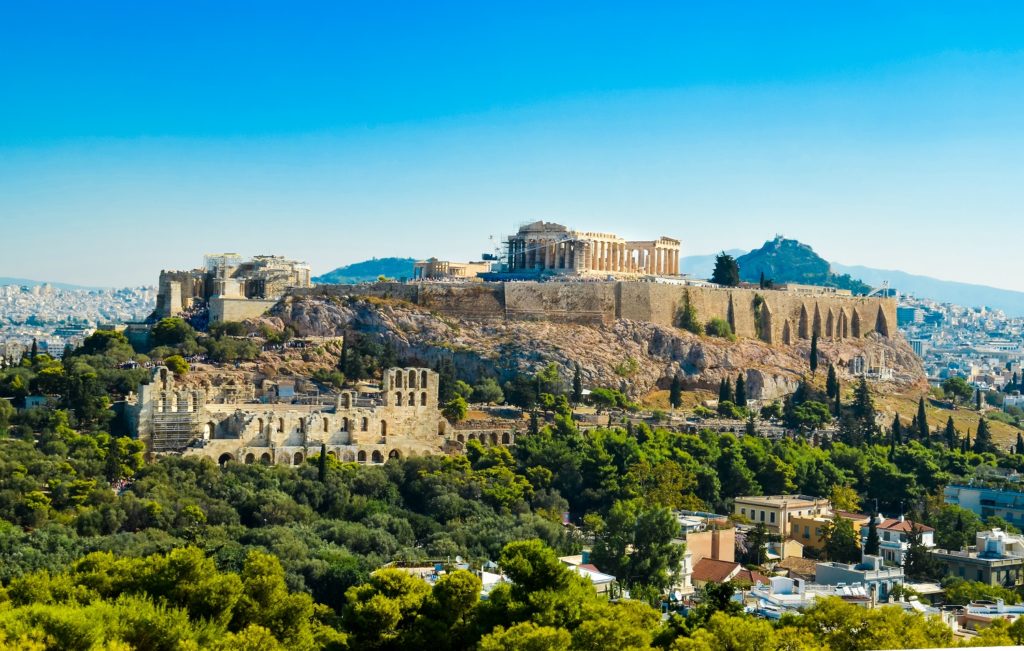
x=830, y=324
x=506, y=438
x=344, y=424
x=855, y=325
x=326, y=424
x=803, y=330
x=377, y=457
x=280, y=425
x=210, y=431
x=843, y=327
x=423, y=379
x=346, y=401
x=816, y=326
x=250, y=458
x=259, y=426
x=494, y=438
x=383, y=428
x=265, y=458
x=302, y=425
x=460, y=438
x=398, y=380
x=882, y=323
x=394, y=454
x=224, y=459
x=412, y=399
x=423, y=399
x=412, y=379
x=441, y=428
x=366, y=424
x=361, y=457
x=398, y=398
x=787, y=334
x=298, y=458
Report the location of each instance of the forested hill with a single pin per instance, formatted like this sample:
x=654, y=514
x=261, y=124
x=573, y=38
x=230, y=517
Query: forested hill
x=368, y=271
x=789, y=261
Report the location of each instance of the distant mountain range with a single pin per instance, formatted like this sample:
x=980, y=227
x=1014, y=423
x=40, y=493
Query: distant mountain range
x=701, y=266
x=25, y=282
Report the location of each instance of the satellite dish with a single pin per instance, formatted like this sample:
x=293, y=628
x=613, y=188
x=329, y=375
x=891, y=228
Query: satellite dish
x=458, y=559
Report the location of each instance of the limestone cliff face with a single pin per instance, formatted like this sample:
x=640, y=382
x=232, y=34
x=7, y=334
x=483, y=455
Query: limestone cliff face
x=635, y=356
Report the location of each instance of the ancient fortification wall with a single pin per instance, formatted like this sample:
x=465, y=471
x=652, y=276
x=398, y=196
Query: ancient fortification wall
x=773, y=316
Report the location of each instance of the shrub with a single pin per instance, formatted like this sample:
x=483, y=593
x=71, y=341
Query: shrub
x=720, y=328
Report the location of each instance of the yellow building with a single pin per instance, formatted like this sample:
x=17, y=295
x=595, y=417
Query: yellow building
x=776, y=511
x=810, y=530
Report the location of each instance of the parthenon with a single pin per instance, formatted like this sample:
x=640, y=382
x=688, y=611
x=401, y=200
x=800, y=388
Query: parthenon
x=545, y=247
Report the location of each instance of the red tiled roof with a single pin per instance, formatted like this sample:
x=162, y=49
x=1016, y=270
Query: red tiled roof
x=753, y=576
x=892, y=524
x=708, y=569
x=589, y=566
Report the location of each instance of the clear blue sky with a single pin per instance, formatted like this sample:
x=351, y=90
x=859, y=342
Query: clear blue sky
x=136, y=136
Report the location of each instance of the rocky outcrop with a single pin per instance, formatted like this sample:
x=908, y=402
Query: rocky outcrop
x=635, y=356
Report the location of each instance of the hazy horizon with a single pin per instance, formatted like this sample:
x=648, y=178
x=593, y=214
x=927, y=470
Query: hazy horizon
x=135, y=138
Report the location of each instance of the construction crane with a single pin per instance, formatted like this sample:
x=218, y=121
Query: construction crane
x=883, y=290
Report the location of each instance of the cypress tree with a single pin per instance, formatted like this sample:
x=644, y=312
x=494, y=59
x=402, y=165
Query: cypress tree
x=814, y=353
x=675, y=392
x=751, y=427
x=741, y=391
x=761, y=284
x=951, y=435
x=1016, y=380
x=1019, y=449
x=983, y=439
x=839, y=401
x=322, y=465
x=832, y=383
x=897, y=430
x=872, y=543
x=725, y=391
x=922, y=421
x=966, y=444
x=35, y=350
x=577, y=385
x=977, y=399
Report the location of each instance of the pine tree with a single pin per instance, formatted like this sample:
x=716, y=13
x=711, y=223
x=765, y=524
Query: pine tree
x=675, y=392
x=725, y=391
x=950, y=434
x=832, y=383
x=897, y=430
x=814, y=353
x=872, y=543
x=577, y=385
x=741, y=391
x=322, y=465
x=983, y=439
x=922, y=422
x=727, y=272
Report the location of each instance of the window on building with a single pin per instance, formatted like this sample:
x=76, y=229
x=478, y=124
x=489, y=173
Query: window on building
x=979, y=576
x=762, y=516
x=743, y=512
x=807, y=533
x=772, y=519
